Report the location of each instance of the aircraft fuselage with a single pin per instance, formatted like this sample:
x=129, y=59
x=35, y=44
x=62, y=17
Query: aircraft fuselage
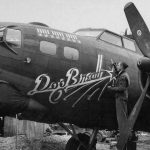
x=67, y=72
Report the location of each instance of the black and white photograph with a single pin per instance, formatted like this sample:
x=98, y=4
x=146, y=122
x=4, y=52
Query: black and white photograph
x=74, y=75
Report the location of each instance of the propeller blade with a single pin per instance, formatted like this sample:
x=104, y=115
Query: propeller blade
x=127, y=126
x=138, y=28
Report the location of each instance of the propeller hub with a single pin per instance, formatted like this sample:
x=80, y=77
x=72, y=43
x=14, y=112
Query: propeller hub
x=144, y=64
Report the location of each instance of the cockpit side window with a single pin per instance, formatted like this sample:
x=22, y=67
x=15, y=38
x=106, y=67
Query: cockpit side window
x=129, y=44
x=111, y=38
x=13, y=38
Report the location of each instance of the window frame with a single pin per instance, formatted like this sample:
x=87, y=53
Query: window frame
x=131, y=41
x=45, y=52
x=6, y=33
x=68, y=58
x=112, y=34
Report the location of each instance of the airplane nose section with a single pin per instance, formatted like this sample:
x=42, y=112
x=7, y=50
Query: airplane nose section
x=13, y=102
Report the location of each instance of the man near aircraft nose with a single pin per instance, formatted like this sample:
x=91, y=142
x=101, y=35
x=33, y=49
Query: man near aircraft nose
x=120, y=88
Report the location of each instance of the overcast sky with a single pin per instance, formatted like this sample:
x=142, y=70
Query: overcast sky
x=70, y=15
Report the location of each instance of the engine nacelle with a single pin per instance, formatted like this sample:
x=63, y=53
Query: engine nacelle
x=144, y=64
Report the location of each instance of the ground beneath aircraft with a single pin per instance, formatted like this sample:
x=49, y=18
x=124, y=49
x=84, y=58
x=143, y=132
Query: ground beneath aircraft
x=57, y=142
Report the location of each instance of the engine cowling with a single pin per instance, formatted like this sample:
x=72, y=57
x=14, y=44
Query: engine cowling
x=144, y=64
x=144, y=68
